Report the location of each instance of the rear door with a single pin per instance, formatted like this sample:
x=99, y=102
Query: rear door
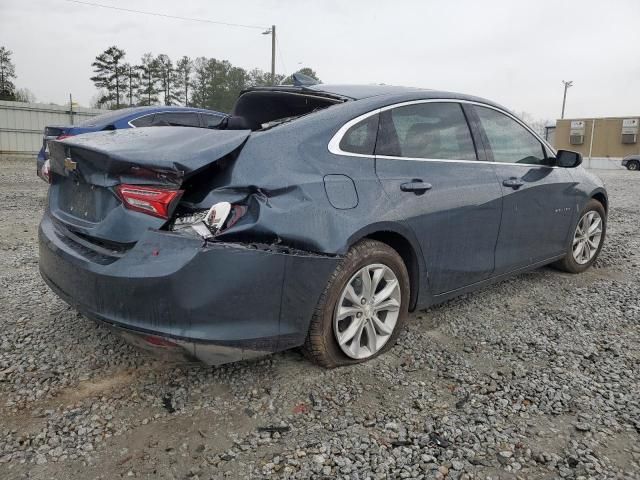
x=538, y=198
x=427, y=163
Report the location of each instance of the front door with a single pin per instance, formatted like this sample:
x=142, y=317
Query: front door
x=538, y=201
x=427, y=164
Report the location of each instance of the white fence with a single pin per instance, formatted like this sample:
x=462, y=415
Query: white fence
x=22, y=124
x=602, y=163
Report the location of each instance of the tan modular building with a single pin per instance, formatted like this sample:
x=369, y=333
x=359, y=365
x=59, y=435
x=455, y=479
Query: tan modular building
x=613, y=137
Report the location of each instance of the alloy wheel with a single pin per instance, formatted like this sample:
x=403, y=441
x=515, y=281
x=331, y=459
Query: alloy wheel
x=633, y=166
x=587, y=238
x=367, y=311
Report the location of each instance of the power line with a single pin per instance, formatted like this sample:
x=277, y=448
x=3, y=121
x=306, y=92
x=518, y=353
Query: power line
x=175, y=17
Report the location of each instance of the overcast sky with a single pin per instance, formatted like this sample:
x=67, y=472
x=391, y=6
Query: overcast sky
x=514, y=52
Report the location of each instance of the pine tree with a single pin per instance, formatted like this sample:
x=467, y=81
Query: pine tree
x=149, y=80
x=132, y=82
x=199, y=91
x=169, y=79
x=184, y=67
x=110, y=73
x=7, y=75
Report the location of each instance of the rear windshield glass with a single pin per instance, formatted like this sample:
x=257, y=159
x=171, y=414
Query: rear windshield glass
x=259, y=109
x=105, y=118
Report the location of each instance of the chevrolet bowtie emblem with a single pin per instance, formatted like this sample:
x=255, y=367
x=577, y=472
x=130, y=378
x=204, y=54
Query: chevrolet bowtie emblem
x=70, y=164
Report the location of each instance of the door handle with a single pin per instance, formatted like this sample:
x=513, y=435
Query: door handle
x=513, y=182
x=416, y=186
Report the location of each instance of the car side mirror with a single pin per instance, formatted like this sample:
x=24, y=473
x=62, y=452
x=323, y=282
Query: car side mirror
x=568, y=159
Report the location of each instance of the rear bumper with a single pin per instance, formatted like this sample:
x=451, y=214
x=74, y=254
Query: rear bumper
x=220, y=302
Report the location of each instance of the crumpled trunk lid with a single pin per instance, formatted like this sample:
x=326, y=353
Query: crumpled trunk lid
x=86, y=169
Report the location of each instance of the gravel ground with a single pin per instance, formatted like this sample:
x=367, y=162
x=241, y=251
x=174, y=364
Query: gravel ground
x=536, y=377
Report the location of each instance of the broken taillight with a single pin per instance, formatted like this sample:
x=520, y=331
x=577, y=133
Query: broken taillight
x=154, y=201
x=237, y=212
x=208, y=224
x=63, y=136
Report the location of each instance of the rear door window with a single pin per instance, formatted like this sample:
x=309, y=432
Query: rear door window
x=144, y=121
x=510, y=142
x=433, y=130
x=361, y=137
x=176, y=119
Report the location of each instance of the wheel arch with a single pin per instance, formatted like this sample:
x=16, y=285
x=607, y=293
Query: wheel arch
x=403, y=241
x=601, y=196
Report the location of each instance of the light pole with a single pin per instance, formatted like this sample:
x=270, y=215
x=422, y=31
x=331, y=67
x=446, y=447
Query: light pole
x=567, y=85
x=272, y=32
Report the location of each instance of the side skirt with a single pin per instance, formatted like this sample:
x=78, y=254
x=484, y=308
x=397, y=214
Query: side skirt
x=436, y=299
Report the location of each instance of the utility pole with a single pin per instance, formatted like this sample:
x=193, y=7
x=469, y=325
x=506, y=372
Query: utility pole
x=593, y=131
x=130, y=85
x=273, y=54
x=567, y=85
x=71, y=108
x=272, y=32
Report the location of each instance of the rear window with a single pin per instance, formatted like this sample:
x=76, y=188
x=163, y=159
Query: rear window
x=176, y=119
x=211, y=121
x=261, y=108
x=361, y=137
x=105, y=118
x=144, y=121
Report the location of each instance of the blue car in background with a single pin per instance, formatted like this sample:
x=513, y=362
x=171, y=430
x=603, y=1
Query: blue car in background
x=135, y=117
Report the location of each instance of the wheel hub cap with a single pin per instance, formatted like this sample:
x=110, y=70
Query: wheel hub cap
x=367, y=311
x=587, y=237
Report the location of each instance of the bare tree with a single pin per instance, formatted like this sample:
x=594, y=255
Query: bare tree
x=537, y=125
x=24, y=95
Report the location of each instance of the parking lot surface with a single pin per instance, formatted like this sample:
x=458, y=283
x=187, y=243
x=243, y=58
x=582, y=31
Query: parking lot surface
x=536, y=377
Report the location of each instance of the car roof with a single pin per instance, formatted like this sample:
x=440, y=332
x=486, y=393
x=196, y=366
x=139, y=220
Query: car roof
x=384, y=93
x=358, y=92
x=341, y=91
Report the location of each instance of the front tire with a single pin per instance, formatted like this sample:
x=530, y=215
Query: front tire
x=362, y=309
x=587, y=240
x=633, y=165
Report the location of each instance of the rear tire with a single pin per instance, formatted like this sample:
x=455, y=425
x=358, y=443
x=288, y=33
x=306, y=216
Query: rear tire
x=587, y=239
x=633, y=165
x=365, y=325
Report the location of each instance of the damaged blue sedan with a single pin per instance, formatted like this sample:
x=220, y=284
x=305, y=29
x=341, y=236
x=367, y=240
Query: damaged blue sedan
x=314, y=216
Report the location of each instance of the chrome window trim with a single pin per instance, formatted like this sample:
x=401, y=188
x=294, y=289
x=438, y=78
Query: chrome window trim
x=334, y=143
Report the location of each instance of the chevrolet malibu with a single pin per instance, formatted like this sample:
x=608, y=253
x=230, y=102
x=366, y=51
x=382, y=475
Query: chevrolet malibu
x=314, y=216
